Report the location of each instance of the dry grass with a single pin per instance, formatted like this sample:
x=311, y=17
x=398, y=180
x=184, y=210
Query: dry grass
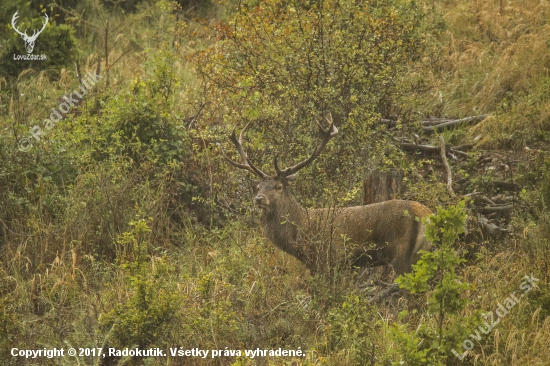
x=522, y=335
x=57, y=289
x=492, y=63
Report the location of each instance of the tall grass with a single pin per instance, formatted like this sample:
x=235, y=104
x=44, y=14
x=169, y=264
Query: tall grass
x=76, y=272
x=493, y=59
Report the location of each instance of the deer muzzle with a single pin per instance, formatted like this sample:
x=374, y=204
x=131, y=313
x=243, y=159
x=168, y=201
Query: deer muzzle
x=261, y=201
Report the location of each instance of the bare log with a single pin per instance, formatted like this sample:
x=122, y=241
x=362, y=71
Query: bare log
x=461, y=153
x=497, y=211
x=488, y=201
x=444, y=125
x=488, y=228
x=430, y=149
x=503, y=199
x=447, y=167
x=431, y=121
x=423, y=148
x=504, y=209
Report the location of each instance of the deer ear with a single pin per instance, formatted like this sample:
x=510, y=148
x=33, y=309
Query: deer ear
x=292, y=178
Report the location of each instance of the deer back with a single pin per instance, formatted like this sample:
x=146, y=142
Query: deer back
x=377, y=234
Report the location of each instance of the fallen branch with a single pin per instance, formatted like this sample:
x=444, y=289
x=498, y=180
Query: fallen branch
x=488, y=201
x=503, y=210
x=463, y=147
x=461, y=153
x=429, y=149
x=447, y=167
x=455, y=122
x=502, y=199
x=434, y=121
x=424, y=148
x=496, y=212
x=488, y=228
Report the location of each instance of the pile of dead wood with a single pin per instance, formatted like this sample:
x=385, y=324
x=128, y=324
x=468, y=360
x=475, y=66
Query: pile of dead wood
x=494, y=207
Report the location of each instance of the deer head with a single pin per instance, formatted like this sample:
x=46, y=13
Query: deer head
x=29, y=40
x=271, y=188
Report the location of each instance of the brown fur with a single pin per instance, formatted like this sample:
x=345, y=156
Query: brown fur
x=377, y=234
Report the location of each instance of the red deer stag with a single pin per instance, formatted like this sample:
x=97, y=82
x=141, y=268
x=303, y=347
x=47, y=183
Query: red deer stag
x=389, y=232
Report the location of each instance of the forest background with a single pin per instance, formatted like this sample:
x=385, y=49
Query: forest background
x=121, y=225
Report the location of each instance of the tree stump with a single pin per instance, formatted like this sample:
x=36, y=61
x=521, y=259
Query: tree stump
x=382, y=186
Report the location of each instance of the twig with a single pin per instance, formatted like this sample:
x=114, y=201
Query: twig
x=447, y=167
x=106, y=41
x=77, y=69
x=455, y=122
x=435, y=121
x=461, y=153
x=489, y=201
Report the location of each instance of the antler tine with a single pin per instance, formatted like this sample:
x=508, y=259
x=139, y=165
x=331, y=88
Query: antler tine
x=24, y=34
x=279, y=172
x=13, y=20
x=331, y=125
x=327, y=134
x=37, y=32
x=46, y=18
x=246, y=163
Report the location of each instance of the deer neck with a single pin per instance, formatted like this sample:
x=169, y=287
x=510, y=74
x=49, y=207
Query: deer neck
x=283, y=223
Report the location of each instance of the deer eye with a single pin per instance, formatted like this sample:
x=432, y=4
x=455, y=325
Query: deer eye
x=279, y=187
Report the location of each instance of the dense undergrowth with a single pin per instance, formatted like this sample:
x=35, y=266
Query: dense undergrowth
x=122, y=226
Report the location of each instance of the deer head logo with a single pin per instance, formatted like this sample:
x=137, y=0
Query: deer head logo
x=29, y=40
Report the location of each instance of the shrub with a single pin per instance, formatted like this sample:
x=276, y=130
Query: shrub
x=285, y=64
x=142, y=317
x=445, y=328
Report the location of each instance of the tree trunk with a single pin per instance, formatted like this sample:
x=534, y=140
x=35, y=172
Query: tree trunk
x=382, y=186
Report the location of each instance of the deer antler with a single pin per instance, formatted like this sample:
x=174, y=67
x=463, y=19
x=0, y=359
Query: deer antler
x=13, y=19
x=24, y=34
x=327, y=134
x=246, y=163
x=36, y=33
